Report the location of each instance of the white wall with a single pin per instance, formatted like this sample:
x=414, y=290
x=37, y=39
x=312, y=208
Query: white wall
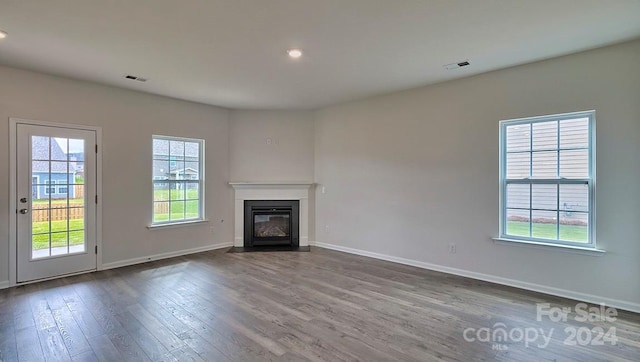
x=408, y=173
x=288, y=157
x=128, y=119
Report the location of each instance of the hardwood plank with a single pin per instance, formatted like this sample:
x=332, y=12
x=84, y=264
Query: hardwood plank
x=103, y=349
x=8, y=348
x=52, y=345
x=28, y=344
x=317, y=306
x=147, y=342
x=72, y=335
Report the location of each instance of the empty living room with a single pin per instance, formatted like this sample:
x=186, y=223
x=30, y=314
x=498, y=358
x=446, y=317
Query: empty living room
x=319, y=180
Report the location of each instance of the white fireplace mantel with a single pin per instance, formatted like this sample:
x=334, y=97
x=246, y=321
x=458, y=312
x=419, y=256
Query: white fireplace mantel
x=271, y=190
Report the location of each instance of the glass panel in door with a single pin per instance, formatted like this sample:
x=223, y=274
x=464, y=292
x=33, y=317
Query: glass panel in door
x=57, y=220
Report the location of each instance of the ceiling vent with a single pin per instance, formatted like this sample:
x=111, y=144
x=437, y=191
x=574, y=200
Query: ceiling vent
x=461, y=64
x=133, y=77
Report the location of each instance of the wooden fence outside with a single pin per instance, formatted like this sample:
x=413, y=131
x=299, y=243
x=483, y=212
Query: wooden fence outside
x=161, y=208
x=78, y=191
x=43, y=213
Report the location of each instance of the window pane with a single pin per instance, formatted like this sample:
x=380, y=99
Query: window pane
x=518, y=137
x=193, y=191
x=518, y=165
x=544, y=224
x=160, y=191
x=177, y=191
x=574, y=227
x=78, y=196
x=574, y=164
x=191, y=170
x=518, y=222
x=160, y=148
x=39, y=148
x=545, y=165
x=177, y=150
x=544, y=197
x=177, y=170
x=160, y=211
x=574, y=198
x=59, y=147
x=193, y=209
x=76, y=149
x=177, y=210
x=78, y=179
x=518, y=196
x=574, y=133
x=76, y=241
x=192, y=150
x=545, y=135
x=161, y=170
x=40, y=216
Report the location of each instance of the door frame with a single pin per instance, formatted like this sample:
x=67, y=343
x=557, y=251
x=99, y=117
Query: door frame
x=13, y=207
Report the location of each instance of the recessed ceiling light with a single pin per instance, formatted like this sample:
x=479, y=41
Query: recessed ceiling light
x=3, y=34
x=294, y=53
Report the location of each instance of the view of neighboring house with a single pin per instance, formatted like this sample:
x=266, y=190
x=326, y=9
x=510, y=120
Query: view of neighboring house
x=175, y=163
x=51, y=174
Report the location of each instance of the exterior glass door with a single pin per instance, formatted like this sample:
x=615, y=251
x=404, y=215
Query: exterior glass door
x=56, y=212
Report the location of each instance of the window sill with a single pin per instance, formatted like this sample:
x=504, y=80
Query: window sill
x=176, y=224
x=549, y=246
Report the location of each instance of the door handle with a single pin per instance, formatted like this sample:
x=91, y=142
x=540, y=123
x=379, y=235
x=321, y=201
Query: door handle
x=24, y=211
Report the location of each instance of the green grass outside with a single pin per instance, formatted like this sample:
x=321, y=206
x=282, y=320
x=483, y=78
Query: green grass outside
x=59, y=202
x=178, y=211
x=163, y=195
x=178, y=208
x=576, y=233
x=40, y=233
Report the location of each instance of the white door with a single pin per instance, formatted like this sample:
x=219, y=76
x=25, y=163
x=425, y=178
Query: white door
x=56, y=201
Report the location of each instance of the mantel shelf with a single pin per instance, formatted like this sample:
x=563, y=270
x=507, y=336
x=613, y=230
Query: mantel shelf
x=258, y=183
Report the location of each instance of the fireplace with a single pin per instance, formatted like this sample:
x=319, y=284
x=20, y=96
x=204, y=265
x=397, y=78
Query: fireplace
x=271, y=223
x=292, y=191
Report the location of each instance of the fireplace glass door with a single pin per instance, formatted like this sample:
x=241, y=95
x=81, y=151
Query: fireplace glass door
x=272, y=225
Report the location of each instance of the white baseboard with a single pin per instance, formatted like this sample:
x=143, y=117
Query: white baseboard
x=615, y=303
x=5, y=284
x=172, y=254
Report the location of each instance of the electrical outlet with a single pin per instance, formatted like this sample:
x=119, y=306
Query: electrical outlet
x=452, y=248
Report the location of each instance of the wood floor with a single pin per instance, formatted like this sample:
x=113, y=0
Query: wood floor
x=317, y=306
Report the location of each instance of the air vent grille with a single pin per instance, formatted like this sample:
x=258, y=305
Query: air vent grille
x=457, y=65
x=133, y=77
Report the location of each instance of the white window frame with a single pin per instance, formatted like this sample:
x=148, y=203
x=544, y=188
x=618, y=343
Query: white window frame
x=37, y=185
x=590, y=181
x=50, y=185
x=201, y=183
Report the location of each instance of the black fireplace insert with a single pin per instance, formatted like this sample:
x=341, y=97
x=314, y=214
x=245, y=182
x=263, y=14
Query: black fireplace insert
x=271, y=223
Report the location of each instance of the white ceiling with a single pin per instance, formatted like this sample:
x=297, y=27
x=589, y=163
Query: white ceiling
x=231, y=53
